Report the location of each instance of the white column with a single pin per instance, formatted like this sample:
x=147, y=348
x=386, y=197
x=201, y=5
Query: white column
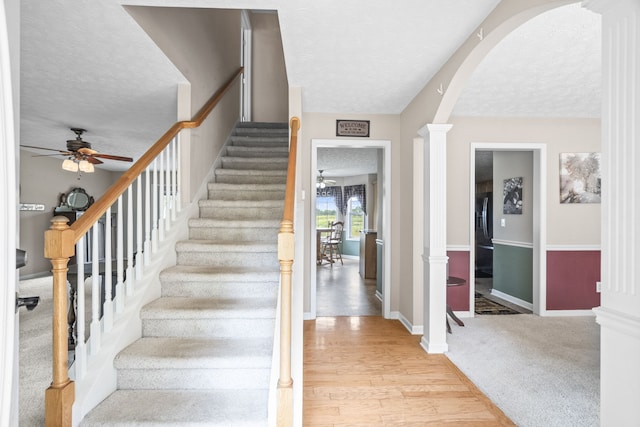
x=619, y=313
x=434, y=255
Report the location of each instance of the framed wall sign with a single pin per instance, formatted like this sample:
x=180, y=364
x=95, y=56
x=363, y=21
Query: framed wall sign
x=352, y=128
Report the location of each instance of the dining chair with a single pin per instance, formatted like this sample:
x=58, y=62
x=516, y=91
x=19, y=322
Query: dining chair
x=331, y=246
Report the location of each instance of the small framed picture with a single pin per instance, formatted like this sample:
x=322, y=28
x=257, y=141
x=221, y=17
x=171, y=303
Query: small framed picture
x=512, y=196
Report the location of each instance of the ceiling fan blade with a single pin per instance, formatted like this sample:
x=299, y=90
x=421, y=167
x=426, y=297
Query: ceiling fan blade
x=93, y=160
x=112, y=157
x=48, y=149
x=85, y=150
x=51, y=155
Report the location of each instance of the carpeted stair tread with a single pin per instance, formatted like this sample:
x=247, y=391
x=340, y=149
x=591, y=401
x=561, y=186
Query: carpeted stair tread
x=246, y=187
x=224, y=247
x=186, y=408
x=248, y=172
x=263, y=125
x=196, y=353
x=209, y=308
x=260, y=152
x=232, y=223
x=206, y=273
x=240, y=203
x=260, y=140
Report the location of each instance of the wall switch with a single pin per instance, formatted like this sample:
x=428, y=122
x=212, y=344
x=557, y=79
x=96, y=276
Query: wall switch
x=597, y=286
x=503, y=222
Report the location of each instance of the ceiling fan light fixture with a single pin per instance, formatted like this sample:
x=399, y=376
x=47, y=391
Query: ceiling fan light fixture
x=86, y=167
x=70, y=165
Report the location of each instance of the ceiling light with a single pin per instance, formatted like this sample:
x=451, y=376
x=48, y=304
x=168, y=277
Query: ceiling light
x=70, y=165
x=86, y=167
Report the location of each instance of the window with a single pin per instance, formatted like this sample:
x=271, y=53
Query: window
x=355, y=218
x=326, y=211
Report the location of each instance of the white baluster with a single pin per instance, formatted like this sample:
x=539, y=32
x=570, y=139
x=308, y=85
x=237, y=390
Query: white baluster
x=174, y=180
x=154, y=232
x=108, y=276
x=147, y=217
x=167, y=191
x=178, y=193
x=119, y=259
x=95, y=336
x=81, y=348
x=162, y=205
x=130, y=259
x=139, y=226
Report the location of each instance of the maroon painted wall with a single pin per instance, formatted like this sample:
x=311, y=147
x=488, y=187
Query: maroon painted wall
x=458, y=296
x=571, y=280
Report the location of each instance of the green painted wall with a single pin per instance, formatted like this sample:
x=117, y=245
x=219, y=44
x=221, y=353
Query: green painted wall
x=513, y=271
x=351, y=247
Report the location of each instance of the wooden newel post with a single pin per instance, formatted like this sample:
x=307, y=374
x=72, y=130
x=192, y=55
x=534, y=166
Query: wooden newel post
x=59, y=246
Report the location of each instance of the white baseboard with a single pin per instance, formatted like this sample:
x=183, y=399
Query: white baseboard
x=512, y=299
x=413, y=329
x=569, y=313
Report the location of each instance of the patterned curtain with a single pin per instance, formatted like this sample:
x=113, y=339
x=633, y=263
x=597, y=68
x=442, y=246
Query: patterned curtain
x=335, y=192
x=357, y=191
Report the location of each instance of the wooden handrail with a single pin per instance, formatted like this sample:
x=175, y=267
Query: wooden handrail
x=59, y=246
x=285, y=257
x=93, y=214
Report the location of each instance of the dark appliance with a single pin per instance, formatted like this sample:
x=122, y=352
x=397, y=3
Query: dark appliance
x=484, y=234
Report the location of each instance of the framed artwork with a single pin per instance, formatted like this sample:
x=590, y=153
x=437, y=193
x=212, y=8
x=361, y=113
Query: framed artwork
x=512, y=196
x=580, y=178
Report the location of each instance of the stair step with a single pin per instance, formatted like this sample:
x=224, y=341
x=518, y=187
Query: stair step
x=259, y=141
x=256, y=163
x=219, y=282
x=241, y=209
x=240, y=176
x=209, y=317
x=262, y=152
x=147, y=408
x=233, y=230
x=212, y=252
x=223, y=191
x=195, y=363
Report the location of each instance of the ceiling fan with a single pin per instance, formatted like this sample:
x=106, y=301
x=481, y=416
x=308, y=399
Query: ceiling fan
x=80, y=154
x=322, y=182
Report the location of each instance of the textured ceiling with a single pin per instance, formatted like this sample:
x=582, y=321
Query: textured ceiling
x=548, y=67
x=88, y=64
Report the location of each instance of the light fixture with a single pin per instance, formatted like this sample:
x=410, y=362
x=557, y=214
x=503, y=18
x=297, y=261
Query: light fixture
x=70, y=165
x=85, y=166
x=74, y=164
x=320, y=182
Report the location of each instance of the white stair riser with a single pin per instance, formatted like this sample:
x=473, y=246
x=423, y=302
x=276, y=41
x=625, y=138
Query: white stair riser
x=193, y=379
x=218, y=328
x=220, y=289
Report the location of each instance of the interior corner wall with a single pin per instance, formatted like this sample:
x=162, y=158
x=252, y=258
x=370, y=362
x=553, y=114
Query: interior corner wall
x=204, y=44
x=269, y=84
x=42, y=180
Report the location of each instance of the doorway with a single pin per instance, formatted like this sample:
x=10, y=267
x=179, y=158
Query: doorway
x=382, y=202
x=517, y=242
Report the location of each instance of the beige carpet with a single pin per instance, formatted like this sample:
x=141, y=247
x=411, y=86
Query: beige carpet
x=541, y=371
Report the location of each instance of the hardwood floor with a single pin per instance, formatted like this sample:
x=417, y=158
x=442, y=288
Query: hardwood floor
x=363, y=370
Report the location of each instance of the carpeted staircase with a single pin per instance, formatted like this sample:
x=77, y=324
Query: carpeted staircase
x=205, y=355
